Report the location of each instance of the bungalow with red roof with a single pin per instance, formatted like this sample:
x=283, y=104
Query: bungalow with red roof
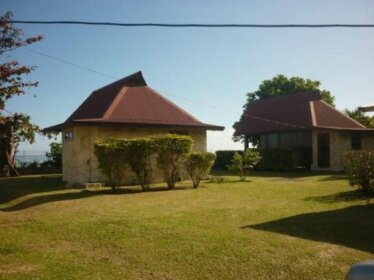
x=127, y=108
x=304, y=122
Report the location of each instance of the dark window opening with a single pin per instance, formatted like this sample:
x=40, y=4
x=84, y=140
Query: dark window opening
x=356, y=141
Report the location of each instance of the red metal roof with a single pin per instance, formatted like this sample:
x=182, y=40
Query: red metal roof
x=293, y=112
x=130, y=101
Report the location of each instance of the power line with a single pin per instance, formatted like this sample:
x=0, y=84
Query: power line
x=181, y=97
x=194, y=25
x=70, y=63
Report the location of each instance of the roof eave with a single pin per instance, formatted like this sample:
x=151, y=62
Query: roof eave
x=363, y=129
x=99, y=122
x=55, y=128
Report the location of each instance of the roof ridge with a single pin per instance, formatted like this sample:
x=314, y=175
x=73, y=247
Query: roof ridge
x=312, y=112
x=120, y=95
x=341, y=113
x=127, y=79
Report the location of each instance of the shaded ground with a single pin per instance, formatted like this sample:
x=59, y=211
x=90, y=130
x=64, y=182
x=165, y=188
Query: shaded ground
x=13, y=188
x=351, y=227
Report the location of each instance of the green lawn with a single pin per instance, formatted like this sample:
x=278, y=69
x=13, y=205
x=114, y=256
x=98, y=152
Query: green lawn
x=302, y=226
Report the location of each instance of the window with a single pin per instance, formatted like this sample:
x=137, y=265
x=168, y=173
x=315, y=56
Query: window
x=356, y=141
x=69, y=135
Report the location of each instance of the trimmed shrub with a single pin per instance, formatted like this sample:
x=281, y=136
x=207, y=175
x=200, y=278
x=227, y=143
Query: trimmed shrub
x=278, y=159
x=198, y=165
x=138, y=157
x=242, y=163
x=359, y=166
x=171, y=152
x=110, y=155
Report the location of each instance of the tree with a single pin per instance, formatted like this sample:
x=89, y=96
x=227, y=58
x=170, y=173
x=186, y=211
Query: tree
x=198, y=165
x=55, y=155
x=138, y=157
x=278, y=86
x=14, y=127
x=242, y=163
x=359, y=116
x=359, y=167
x=171, y=152
x=110, y=155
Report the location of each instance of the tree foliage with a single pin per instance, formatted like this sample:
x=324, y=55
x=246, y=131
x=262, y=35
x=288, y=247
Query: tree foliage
x=359, y=116
x=110, y=155
x=198, y=165
x=278, y=86
x=14, y=127
x=138, y=157
x=242, y=163
x=171, y=152
x=116, y=156
x=359, y=167
x=55, y=155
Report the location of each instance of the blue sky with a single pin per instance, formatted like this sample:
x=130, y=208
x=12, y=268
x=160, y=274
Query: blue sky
x=210, y=66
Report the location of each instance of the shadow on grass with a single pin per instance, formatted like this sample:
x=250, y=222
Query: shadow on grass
x=351, y=227
x=13, y=188
x=72, y=195
x=355, y=195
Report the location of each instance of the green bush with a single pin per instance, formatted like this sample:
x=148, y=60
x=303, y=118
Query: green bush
x=278, y=159
x=242, y=163
x=171, y=152
x=55, y=155
x=198, y=165
x=359, y=166
x=110, y=155
x=138, y=157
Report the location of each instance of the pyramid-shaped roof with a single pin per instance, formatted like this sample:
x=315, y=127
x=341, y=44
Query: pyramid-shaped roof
x=297, y=111
x=130, y=101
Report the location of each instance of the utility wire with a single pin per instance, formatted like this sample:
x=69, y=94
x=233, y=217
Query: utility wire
x=193, y=25
x=177, y=96
x=70, y=63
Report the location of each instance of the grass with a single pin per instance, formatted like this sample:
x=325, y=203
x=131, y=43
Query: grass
x=298, y=226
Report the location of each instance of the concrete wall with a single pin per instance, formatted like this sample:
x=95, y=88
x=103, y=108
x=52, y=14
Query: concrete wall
x=79, y=163
x=340, y=143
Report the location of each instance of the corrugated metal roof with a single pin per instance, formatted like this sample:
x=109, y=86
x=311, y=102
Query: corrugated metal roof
x=293, y=112
x=131, y=101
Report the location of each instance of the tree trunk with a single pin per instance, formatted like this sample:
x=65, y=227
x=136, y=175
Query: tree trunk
x=8, y=149
x=11, y=172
